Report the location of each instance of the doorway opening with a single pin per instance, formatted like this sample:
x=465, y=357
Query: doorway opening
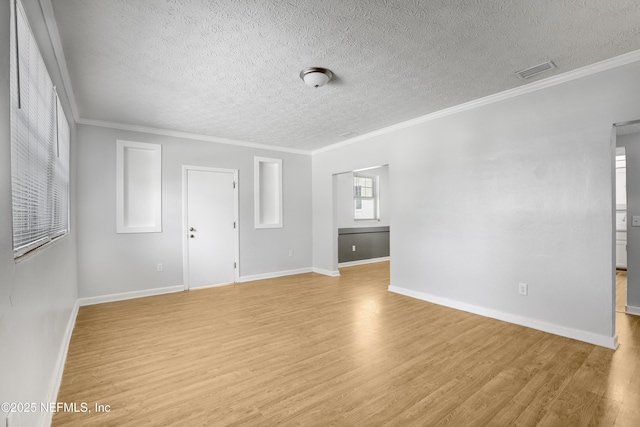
x=621, y=229
x=626, y=137
x=361, y=216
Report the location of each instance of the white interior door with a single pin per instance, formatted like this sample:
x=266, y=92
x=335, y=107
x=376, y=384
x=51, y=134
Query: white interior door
x=211, y=233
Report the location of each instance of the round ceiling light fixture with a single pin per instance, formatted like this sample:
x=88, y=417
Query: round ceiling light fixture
x=316, y=76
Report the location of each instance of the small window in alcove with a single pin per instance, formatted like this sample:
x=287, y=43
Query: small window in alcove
x=365, y=197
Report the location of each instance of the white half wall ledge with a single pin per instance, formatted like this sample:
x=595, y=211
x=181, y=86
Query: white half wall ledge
x=632, y=310
x=326, y=272
x=563, y=331
x=129, y=295
x=364, y=261
x=253, y=277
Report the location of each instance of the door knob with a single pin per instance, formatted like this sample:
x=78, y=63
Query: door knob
x=192, y=229
x=192, y=236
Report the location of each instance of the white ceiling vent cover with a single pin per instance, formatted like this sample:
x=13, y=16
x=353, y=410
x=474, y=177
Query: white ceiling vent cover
x=540, y=68
x=349, y=134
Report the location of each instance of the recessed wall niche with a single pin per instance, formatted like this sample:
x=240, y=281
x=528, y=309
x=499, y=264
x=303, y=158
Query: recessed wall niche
x=138, y=187
x=268, y=192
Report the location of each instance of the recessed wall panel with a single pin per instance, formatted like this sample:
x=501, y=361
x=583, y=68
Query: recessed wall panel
x=268, y=192
x=139, y=187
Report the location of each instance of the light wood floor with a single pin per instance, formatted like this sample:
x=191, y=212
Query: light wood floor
x=621, y=291
x=310, y=350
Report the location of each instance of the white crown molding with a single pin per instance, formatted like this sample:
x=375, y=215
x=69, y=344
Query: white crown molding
x=588, y=70
x=188, y=135
x=54, y=37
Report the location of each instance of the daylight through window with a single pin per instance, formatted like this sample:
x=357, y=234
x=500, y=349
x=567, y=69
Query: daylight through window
x=39, y=145
x=365, y=197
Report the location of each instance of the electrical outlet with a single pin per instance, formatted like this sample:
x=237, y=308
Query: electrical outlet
x=160, y=267
x=290, y=252
x=353, y=248
x=523, y=289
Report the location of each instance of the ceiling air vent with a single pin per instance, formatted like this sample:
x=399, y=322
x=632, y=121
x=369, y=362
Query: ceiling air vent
x=532, y=71
x=348, y=134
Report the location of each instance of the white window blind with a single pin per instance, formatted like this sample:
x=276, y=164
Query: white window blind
x=39, y=145
x=60, y=185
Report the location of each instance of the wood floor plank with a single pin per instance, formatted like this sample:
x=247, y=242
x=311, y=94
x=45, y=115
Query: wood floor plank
x=629, y=410
x=311, y=350
x=605, y=413
x=621, y=290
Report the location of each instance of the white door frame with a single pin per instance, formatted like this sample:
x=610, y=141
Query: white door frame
x=185, y=226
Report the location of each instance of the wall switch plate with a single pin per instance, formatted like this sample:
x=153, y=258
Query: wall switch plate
x=160, y=267
x=635, y=221
x=523, y=289
x=290, y=252
x=353, y=248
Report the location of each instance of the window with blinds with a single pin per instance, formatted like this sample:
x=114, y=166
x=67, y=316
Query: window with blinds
x=365, y=197
x=40, y=137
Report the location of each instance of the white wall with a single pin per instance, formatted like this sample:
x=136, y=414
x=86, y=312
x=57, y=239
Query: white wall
x=110, y=263
x=519, y=190
x=344, y=199
x=37, y=294
x=632, y=150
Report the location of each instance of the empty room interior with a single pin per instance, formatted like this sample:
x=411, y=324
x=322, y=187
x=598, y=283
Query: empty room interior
x=349, y=213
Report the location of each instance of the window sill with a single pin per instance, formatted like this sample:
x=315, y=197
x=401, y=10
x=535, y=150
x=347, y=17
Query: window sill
x=39, y=249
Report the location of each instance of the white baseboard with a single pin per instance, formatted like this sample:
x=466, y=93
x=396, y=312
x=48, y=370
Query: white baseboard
x=632, y=310
x=218, y=285
x=129, y=295
x=576, y=334
x=56, y=380
x=363, y=261
x=253, y=277
x=326, y=272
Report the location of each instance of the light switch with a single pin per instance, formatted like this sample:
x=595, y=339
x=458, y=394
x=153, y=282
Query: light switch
x=635, y=221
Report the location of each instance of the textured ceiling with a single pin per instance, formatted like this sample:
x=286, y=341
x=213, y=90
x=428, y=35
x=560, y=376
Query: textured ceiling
x=229, y=68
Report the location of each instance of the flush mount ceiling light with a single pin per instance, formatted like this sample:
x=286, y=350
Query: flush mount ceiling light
x=316, y=76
